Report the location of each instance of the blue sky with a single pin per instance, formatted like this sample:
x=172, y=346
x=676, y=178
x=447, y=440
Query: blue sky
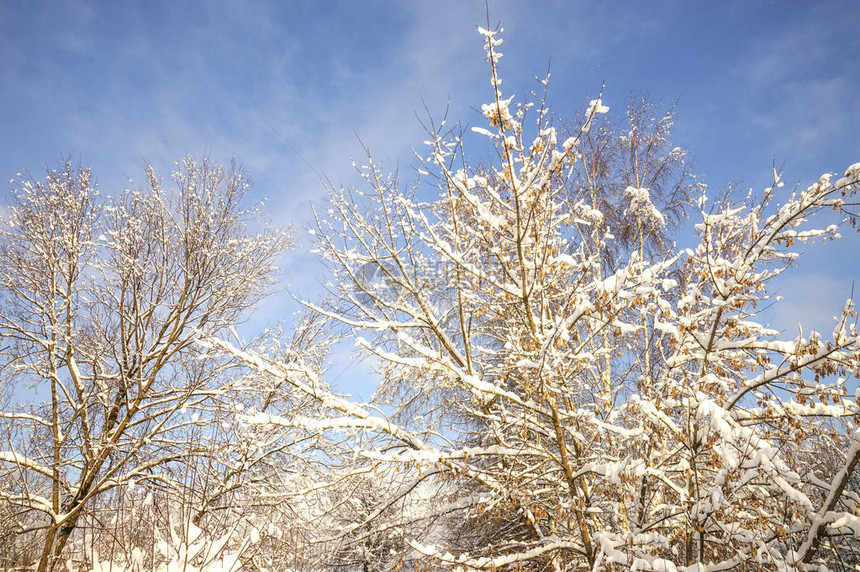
x=114, y=83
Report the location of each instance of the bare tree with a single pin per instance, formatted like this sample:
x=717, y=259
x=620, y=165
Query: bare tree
x=101, y=304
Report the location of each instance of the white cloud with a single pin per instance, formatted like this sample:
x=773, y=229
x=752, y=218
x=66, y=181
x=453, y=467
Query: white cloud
x=186, y=87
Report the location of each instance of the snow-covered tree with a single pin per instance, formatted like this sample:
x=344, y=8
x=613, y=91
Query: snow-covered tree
x=575, y=410
x=101, y=302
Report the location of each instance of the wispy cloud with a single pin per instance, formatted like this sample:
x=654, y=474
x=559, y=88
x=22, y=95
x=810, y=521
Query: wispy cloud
x=801, y=91
x=115, y=84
